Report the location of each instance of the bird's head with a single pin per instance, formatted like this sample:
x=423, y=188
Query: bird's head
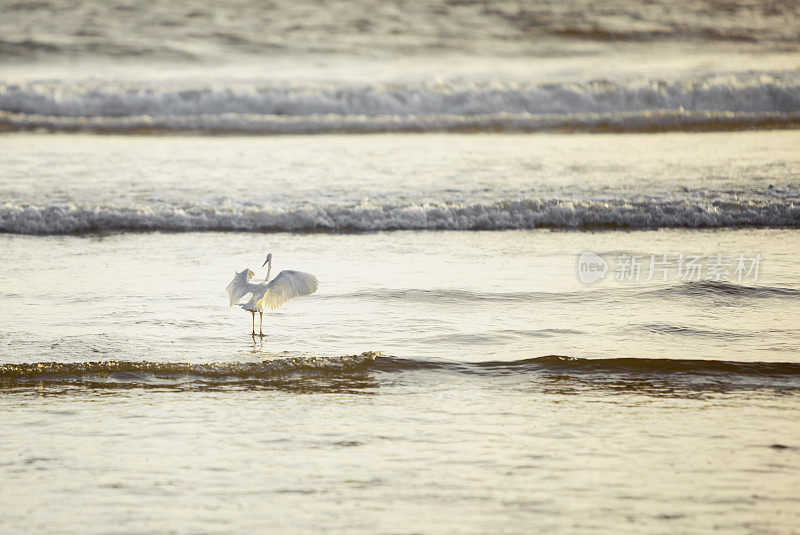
x=269, y=257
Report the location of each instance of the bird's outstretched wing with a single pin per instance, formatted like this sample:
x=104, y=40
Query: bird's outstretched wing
x=288, y=285
x=239, y=286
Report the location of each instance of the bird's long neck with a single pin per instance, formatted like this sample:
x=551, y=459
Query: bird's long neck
x=269, y=268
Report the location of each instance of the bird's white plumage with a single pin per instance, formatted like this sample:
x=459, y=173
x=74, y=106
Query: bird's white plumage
x=287, y=285
x=251, y=306
x=240, y=286
x=270, y=294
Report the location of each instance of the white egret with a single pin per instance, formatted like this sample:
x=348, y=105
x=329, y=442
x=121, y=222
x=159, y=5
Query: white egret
x=287, y=285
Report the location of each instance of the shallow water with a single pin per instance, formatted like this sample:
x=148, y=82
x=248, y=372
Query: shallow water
x=409, y=452
x=456, y=381
x=72, y=184
x=575, y=312
x=469, y=296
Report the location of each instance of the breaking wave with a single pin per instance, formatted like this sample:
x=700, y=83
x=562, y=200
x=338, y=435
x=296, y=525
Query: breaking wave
x=707, y=103
x=683, y=373
x=504, y=215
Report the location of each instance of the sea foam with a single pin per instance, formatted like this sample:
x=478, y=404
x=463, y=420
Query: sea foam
x=503, y=215
x=706, y=102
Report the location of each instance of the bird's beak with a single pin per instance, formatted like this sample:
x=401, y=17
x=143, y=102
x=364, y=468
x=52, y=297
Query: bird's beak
x=265, y=262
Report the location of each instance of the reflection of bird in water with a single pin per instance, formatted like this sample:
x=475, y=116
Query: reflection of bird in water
x=287, y=285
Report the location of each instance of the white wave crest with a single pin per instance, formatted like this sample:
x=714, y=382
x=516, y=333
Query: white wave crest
x=516, y=214
x=452, y=105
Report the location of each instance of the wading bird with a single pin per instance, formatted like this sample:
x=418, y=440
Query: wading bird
x=271, y=294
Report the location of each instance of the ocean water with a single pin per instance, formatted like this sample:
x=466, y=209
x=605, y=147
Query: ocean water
x=557, y=250
x=444, y=378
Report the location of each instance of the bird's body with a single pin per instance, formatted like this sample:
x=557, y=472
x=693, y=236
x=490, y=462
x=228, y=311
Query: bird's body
x=271, y=294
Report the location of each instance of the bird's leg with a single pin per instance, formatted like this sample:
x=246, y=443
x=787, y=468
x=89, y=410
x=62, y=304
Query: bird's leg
x=260, y=323
x=254, y=322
